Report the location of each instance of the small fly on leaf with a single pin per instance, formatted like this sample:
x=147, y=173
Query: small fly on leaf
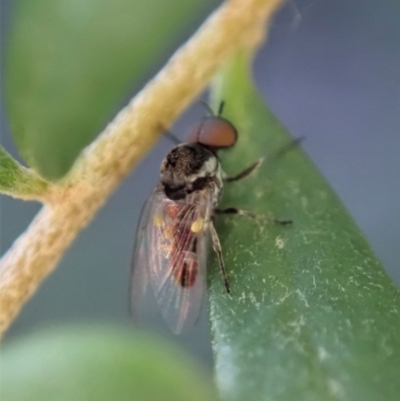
x=177, y=224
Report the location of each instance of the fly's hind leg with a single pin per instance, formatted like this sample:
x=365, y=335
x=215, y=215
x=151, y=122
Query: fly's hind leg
x=239, y=212
x=218, y=251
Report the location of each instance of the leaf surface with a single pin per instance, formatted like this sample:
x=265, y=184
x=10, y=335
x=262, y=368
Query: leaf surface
x=18, y=180
x=313, y=315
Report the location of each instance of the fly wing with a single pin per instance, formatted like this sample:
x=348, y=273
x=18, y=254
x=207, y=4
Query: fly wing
x=171, y=256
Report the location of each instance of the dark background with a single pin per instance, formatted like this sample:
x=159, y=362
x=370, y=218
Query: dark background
x=330, y=71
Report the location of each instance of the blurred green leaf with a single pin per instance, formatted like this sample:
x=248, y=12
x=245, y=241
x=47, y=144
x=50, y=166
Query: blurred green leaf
x=71, y=62
x=313, y=315
x=18, y=180
x=81, y=363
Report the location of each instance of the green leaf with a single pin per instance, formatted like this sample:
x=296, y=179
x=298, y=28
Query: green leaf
x=17, y=180
x=312, y=314
x=70, y=64
x=81, y=363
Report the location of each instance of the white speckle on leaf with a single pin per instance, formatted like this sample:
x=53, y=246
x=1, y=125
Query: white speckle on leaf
x=249, y=252
x=259, y=193
x=302, y=298
x=254, y=301
x=314, y=283
x=279, y=242
x=323, y=354
x=297, y=324
x=242, y=297
x=263, y=297
x=307, y=233
x=367, y=323
x=317, y=266
x=283, y=299
x=335, y=388
x=304, y=237
x=386, y=349
x=376, y=285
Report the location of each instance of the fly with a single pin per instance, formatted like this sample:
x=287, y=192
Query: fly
x=177, y=223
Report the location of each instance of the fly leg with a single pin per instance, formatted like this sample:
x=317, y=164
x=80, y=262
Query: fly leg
x=254, y=167
x=240, y=212
x=169, y=134
x=218, y=251
x=246, y=172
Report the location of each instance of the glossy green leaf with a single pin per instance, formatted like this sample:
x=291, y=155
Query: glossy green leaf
x=312, y=315
x=71, y=63
x=18, y=180
x=81, y=363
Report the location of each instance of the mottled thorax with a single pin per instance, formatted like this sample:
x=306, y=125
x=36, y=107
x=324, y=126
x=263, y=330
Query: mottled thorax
x=188, y=168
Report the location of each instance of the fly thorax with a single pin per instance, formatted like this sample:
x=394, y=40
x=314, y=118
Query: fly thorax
x=188, y=168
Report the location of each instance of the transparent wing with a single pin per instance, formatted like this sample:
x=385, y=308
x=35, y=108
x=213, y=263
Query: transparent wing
x=170, y=256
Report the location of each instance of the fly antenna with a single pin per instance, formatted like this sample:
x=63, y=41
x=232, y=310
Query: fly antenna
x=221, y=108
x=169, y=134
x=172, y=137
x=208, y=107
x=210, y=110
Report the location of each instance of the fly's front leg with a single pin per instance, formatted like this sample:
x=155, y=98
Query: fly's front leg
x=246, y=172
x=239, y=212
x=218, y=251
x=254, y=167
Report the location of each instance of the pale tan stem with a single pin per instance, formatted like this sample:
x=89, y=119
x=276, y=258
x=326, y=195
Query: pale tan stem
x=236, y=24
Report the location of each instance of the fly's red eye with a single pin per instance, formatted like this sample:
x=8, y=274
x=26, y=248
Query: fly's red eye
x=215, y=132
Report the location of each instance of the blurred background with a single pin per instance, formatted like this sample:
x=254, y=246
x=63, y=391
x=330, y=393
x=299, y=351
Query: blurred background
x=330, y=71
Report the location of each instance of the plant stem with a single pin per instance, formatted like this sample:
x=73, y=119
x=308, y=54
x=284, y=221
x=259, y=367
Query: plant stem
x=102, y=166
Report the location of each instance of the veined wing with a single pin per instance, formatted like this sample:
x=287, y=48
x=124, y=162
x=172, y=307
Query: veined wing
x=171, y=254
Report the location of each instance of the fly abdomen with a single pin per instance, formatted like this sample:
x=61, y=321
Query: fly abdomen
x=186, y=274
